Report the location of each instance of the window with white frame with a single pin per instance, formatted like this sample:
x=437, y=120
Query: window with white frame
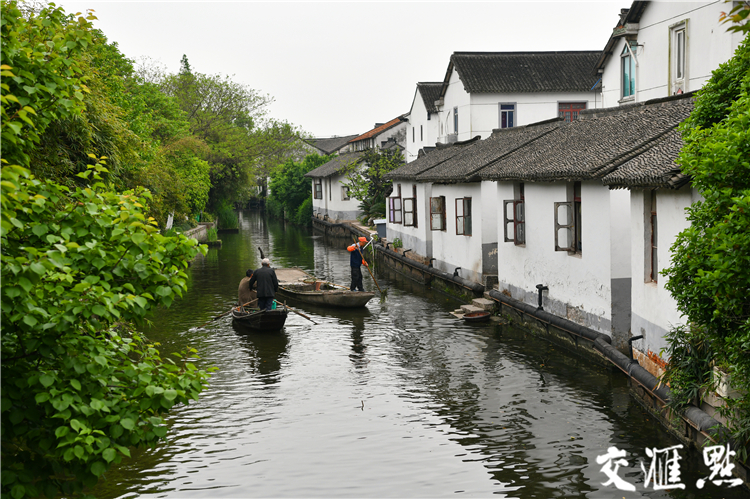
x=651, y=237
x=394, y=206
x=437, y=213
x=678, y=58
x=318, y=188
x=628, y=71
x=507, y=117
x=410, y=209
x=569, y=110
x=568, y=221
x=463, y=216
x=514, y=215
x=345, y=193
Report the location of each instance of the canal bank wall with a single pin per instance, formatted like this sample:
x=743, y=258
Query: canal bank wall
x=692, y=425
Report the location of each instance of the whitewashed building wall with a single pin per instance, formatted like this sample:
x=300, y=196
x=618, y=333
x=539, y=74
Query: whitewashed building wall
x=582, y=287
x=654, y=311
x=707, y=45
x=419, y=238
x=451, y=250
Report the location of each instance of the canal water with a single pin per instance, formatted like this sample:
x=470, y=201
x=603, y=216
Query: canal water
x=399, y=399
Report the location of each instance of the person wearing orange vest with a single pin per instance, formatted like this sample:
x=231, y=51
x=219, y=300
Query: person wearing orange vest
x=356, y=261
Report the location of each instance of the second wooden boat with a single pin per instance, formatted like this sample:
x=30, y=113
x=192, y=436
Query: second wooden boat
x=296, y=284
x=260, y=320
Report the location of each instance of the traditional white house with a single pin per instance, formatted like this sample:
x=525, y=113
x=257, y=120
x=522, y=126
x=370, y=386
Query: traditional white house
x=409, y=204
x=331, y=199
x=659, y=195
x=562, y=228
x=382, y=135
x=664, y=48
x=483, y=91
x=463, y=209
x=423, y=125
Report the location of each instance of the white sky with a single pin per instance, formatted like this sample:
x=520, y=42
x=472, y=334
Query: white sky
x=337, y=68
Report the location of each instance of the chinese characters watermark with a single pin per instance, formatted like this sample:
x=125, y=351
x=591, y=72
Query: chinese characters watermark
x=664, y=471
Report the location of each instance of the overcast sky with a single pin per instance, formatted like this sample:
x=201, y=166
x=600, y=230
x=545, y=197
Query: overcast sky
x=337, y=68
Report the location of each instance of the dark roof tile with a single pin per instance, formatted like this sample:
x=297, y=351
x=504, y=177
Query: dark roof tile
x=462, y=167
x=593, y=146
x=440, y=153
x=508, y=72
x=337, y=165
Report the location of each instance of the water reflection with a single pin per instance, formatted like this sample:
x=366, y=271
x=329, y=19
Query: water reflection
x=266, y=350
x=398, y=399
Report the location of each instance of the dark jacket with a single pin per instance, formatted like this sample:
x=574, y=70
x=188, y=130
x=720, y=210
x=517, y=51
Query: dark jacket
x=268, y=284
x=355, y=256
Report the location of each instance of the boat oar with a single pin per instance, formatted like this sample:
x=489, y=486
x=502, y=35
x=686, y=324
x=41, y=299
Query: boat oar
x=382, y=294
x=295, y=311
x=227, y=312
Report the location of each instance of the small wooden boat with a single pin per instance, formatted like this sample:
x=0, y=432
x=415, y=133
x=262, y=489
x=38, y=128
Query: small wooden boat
x=481, y=316
x=296, y=284
x=260, y=320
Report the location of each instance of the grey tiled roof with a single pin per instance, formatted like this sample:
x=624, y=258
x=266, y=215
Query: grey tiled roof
x=655, y=168
x=508, y=72
x=332, y=144
x=430, y=92
x=409, y=171
x=337, y=165
x=593, y=146
x=462, y=167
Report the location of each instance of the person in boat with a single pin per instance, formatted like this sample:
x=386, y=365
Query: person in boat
x=268, y=285
x=356, y=261
x=245, y=293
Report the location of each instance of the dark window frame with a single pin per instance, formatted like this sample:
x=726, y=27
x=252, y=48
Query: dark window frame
x=463, y=221
x=437, y=212
x=318, y=188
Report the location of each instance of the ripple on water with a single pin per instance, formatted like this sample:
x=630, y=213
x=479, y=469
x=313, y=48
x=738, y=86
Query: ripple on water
x=396, y=400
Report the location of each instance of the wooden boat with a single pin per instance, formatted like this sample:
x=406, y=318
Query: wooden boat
x=481, y=316
x=260, y=320
x=296, y=284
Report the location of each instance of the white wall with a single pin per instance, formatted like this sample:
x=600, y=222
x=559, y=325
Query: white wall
x=530, y=108
x=455, y=96
x=332, y=203
x=708, y=45
x=580, y=286
x=429, y=128
x=654, y=311
x=451, y=250
x=419, y=238
x=479, y=114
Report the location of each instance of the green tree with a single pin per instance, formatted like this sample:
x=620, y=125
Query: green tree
x=710, y=272
x=232, y=119
x=366, y=180
x=79, y=385
x=290, y=189
x=41, y=70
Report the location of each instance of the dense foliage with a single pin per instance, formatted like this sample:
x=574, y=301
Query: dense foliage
x=231, y=118
x=79, y=386
x=710, y=272
x=366, y=180
x=82, y=262
x=291, y=195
